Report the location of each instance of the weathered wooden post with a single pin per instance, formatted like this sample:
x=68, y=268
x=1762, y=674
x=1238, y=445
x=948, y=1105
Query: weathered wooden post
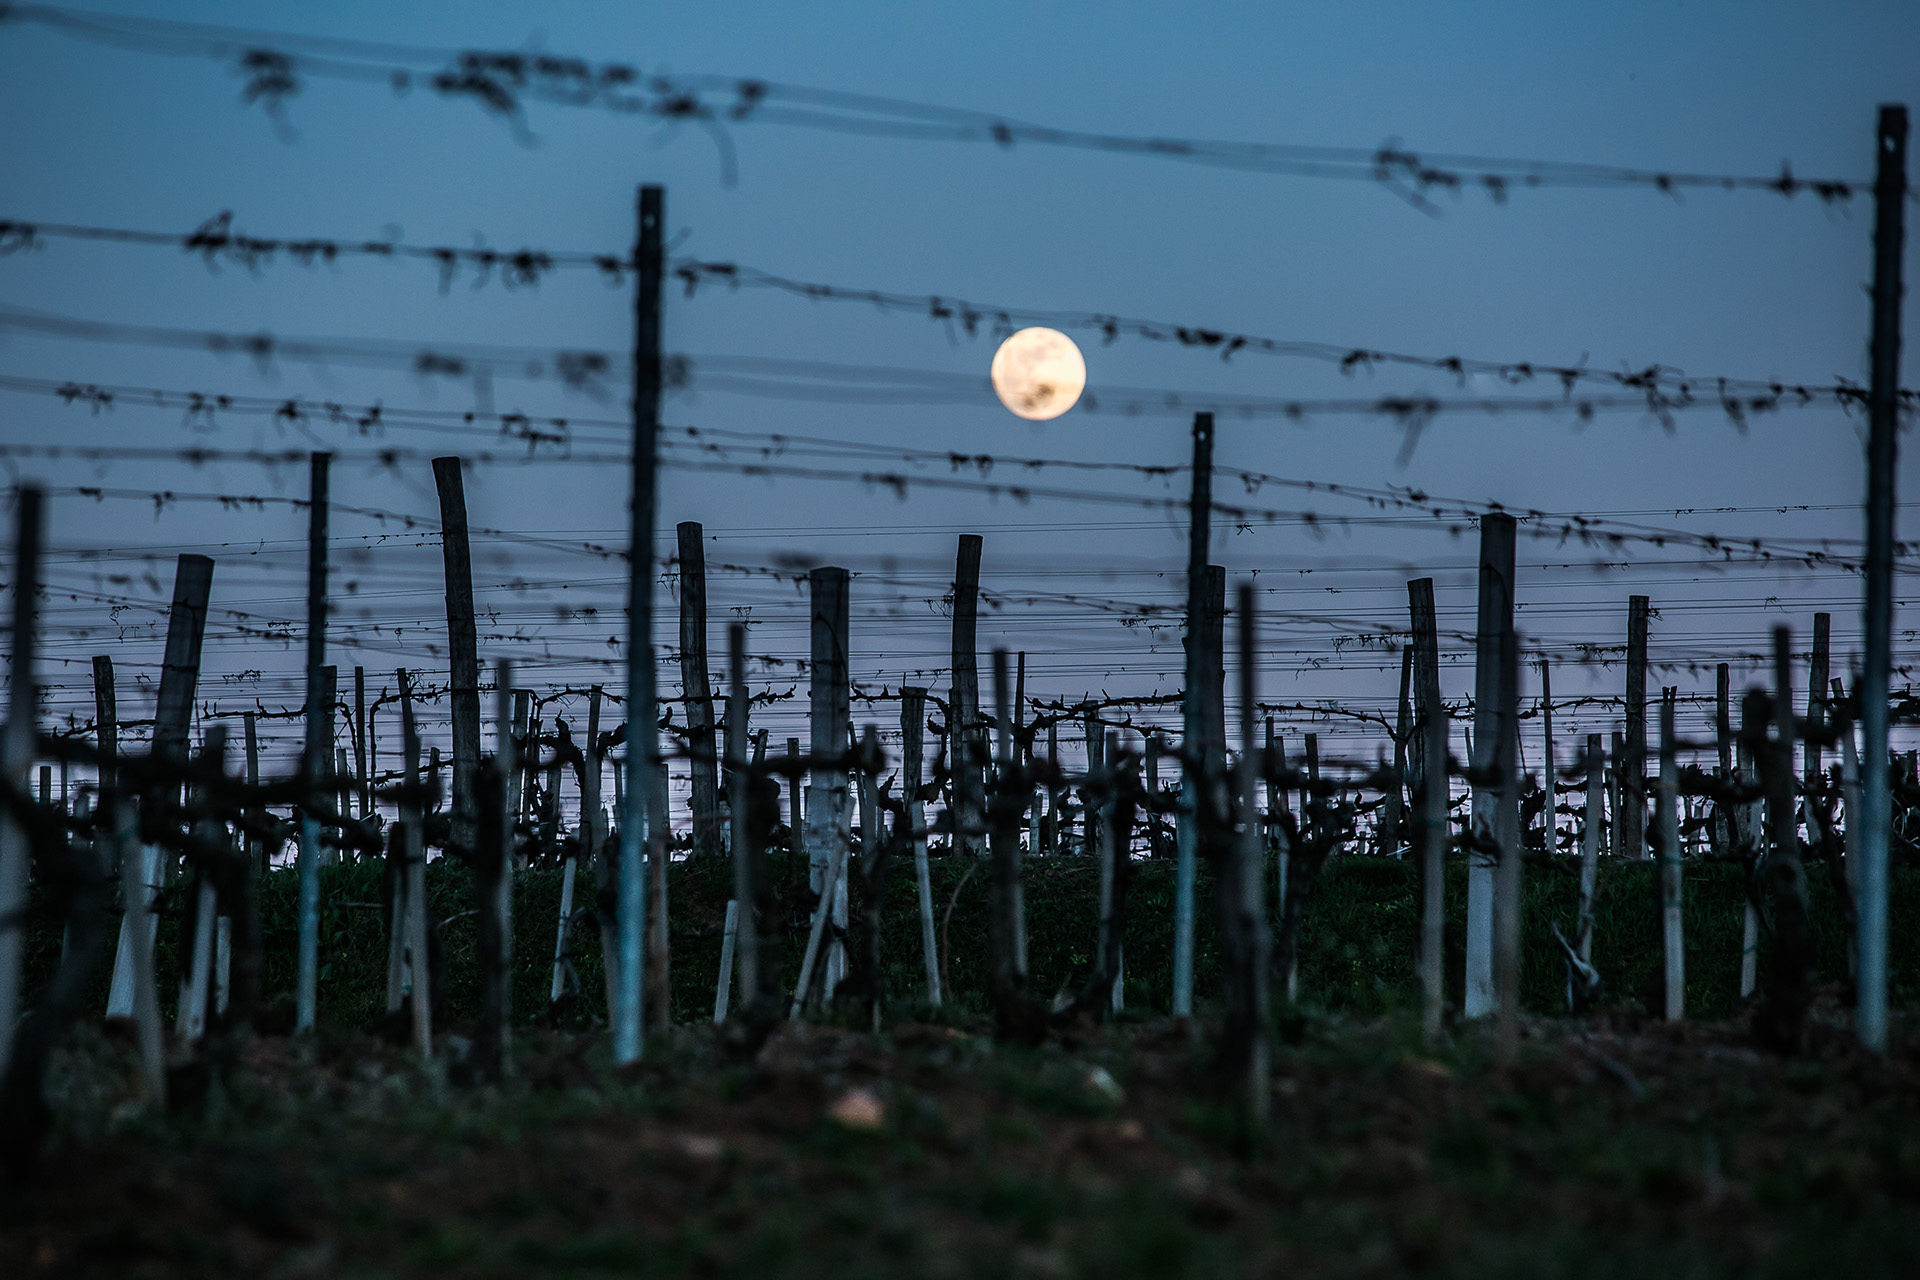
x=16, y=755
x=796, y=799
x=1883, y=414
x=1548, y=780
x=1632, y=765
x=1591, y=822
x=1392, y=813
x=913, y=723
x=1200, y=515
x=1247, y=991
x=969, y=763
x=411, y=817
x=493, y=884
x=696, y=686
x=1812, y=769
x=196, y=987
x=360, y=742
x=828, y=810
x=638, y=833
x=1672, y=940
x=1790, y=974
x=1494, y=744
x=521, y=787
x=1431, y=788
x=319, y=712
x=743, y=921
x=463, y=647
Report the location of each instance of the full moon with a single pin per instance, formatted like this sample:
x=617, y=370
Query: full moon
x=1039, y=374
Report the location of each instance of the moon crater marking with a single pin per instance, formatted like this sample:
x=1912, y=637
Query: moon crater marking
x=1038, y=373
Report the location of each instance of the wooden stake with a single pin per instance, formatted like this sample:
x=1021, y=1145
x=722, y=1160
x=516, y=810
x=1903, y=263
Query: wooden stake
x=463, y=651
x=970, y=751
x=17, y=749
x=1247, y=995
x=313, y=755
x=743, y=923
x=1548, y=777
x=1194, y=716
x=1591, y=821
x=637, y=833
x=411, y=818
x=696, y=686
x=1672, y=939
x=1811, y=767
x=1495, y=740
x=1431, y=787
x=1633, y=765
x=913, y=723
x=828, y=811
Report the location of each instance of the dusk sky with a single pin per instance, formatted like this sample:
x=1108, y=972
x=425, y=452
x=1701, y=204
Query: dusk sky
x=1745, y=284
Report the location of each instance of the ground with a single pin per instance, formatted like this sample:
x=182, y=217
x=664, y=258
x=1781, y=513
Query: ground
x=1615, y=1146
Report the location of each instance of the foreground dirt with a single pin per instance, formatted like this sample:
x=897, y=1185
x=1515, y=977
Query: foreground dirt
x=1613, y=1147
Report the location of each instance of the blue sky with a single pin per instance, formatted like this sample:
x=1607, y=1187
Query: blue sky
x=1740, y=284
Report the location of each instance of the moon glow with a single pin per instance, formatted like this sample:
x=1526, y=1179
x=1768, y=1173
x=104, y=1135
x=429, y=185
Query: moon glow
x=1039, y=373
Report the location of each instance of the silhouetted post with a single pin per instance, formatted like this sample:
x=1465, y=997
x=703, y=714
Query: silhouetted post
x=1632, y=766
x=1392, y=819
x=414, y=851
x=1790, y=975
x=1547, y=818
x=1672, y=940
x=1431, y=787
x=360, y=741
x=463, y=646
x=16, y=756
x=1247, y=992
x=913, y=723
x=137, y=992
x=493, y=866
x=313, y=754
x=744, y=922
x=696, y=685
x=527, y=758
x=637, y=833
x=828, y=808
x=1889, y=203
x=969, y=739
x=196, y=987
x=796, y=802
x=1592, y=821
x=1494, y=741
x=1194, y=717
x=1723, y=714
x=1811, y=767
x=1618, y=783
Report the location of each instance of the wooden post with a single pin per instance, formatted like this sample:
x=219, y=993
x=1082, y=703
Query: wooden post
x=1723, y=714
x=729, y=940
x=1431, y=787
x=1672, y=940
x=1751, y=840
x=522, y=784
x=638, y=822
x=493, y=885
x=1247, y=991
x=1811, y=767
x=796, y=799
x=1548, y=779
x=1392, y=819
x=463, y=649
x=1590, y=845
x=1790, y=978
x=196, y=988
x=411, y=817
x=360, y=741
x=312, y=756
x=1200, y=516
x=1006, y=948
x=743, y=922
x=1883, y=413
x=1494, y=744
x=16, y=756
x=1054, y=833
x=1632, y=766
x=828, y=810
x=696, y=686
x=913, y=723
x=969, y=739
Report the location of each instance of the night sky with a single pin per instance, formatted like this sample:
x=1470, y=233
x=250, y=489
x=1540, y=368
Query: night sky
x=1744, y=284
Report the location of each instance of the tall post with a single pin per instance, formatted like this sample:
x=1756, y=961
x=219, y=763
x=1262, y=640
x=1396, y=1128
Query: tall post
x=1249, y=864
x=1591, y=822
x=16, y=757
x=1200, y=515
x=1632, y=767
x=360, y=741
x=1672, y=940
x=1391, y=832
x=969, y=741
x=696, y=686
x=1494, y=744
x=1889, y=203
x=1431, y=790
x=636, y=825
x=1723, y=714
x=913, y=724
x=1811, y=769
x=313, y=756
x=746, y=847
x=493, y=821
x=463, y=646
x=411, y=817
x=828, y=808
x=1548, y=821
